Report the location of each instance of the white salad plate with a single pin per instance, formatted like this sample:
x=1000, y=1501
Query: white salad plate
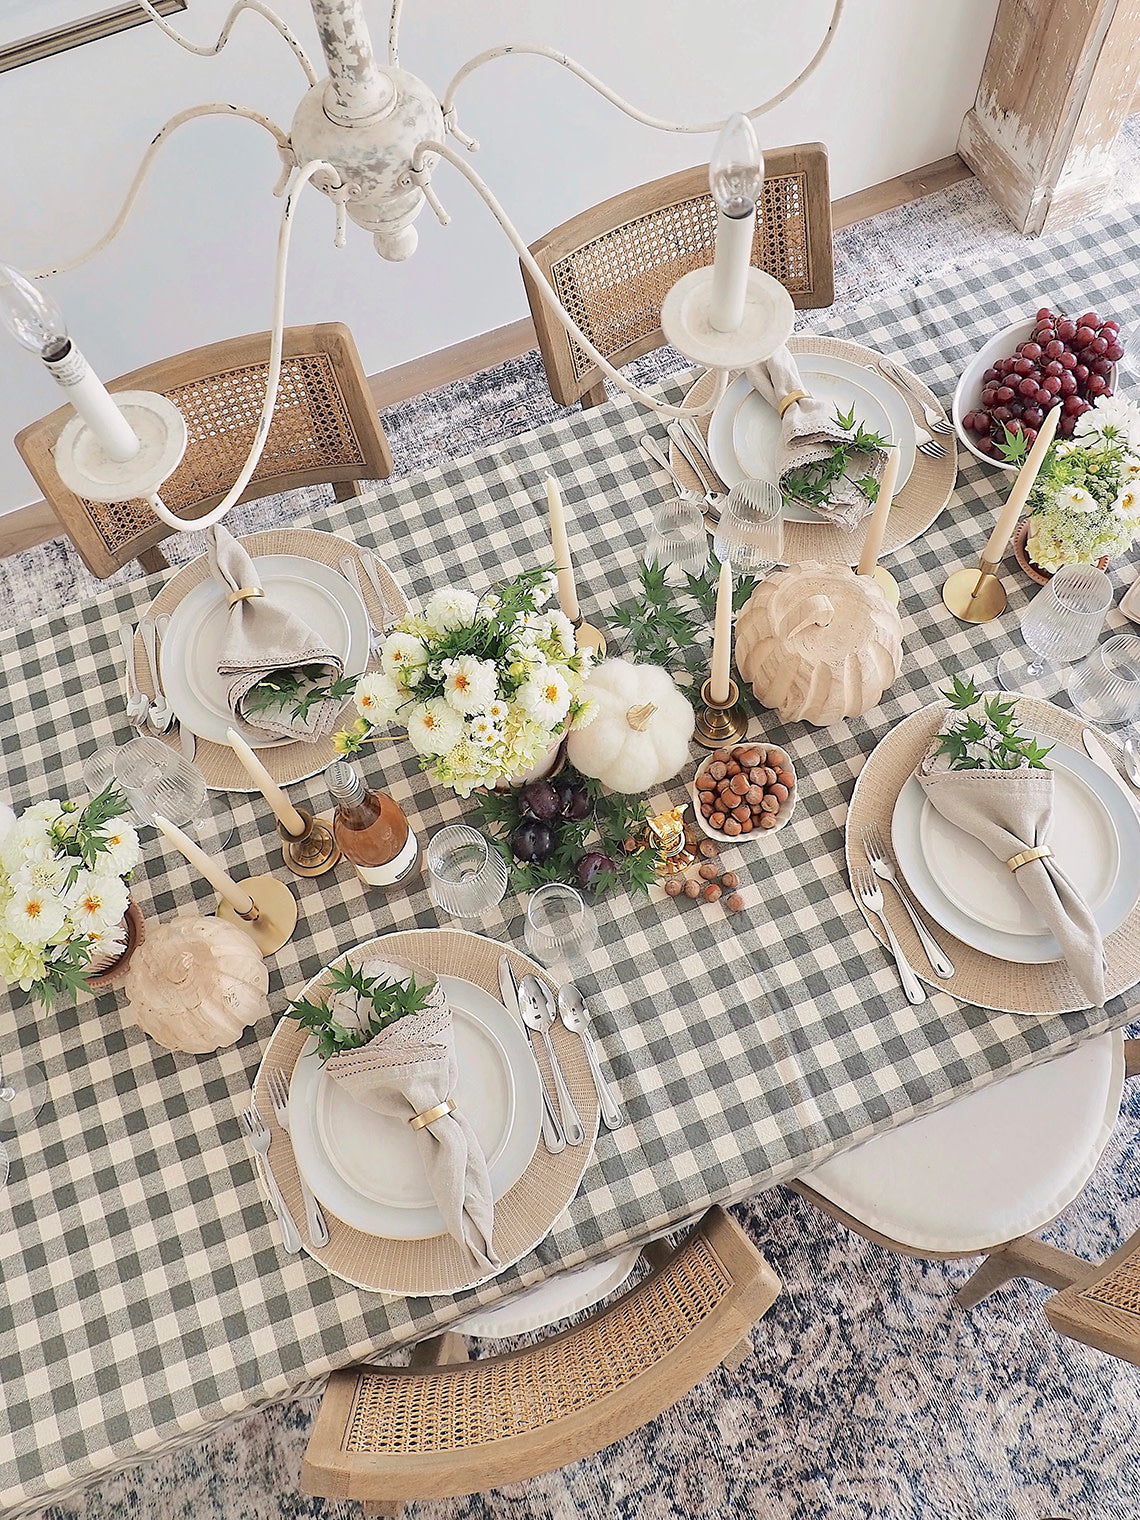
x=1095, y=834
x=194, y=640
x=367, y=1168
x=744, y=430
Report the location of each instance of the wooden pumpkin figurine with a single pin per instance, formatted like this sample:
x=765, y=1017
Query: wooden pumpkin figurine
x=196, y=983
x=640, y=737
x=818, y=643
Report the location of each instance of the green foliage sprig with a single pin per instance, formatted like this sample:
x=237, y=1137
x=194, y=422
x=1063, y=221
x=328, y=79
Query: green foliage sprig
x=812, y=483
x=389, y=1001
x=82, y=833
x=300, y=690
x=989, y=740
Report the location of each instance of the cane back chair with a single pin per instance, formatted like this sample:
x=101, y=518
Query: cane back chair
x=445, y=1426
x=612, y=266
x=324, y=429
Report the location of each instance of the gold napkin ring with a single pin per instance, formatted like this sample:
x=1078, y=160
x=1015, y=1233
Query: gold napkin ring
x=1015, y=862
x=430, y=1115
x=243, y=594
x=790, y=400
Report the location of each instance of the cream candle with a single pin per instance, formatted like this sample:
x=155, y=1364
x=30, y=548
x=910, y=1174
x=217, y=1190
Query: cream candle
x=722, y=637
x=222, y=883
x=873, y=543
x=1015, y=502
x=567, y=591
x=736, y=174
x=287, y=815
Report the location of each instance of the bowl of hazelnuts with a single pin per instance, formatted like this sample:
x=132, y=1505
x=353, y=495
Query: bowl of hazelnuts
x=744, y=792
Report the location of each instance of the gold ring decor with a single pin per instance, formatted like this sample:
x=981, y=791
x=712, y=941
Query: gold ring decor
x=790, y=400
x=1015, y=862
x=430, y=1115
x=243, y=594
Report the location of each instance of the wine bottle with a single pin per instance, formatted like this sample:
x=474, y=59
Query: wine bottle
x=371, y=830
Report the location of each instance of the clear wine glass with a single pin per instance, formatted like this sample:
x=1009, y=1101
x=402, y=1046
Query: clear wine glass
x=23, y=1092
x=679, y=539
x=157, y=779
x=466, y=875
x=1061, y=624
x=560, y=925
x=750, y=534
x=1106, y=688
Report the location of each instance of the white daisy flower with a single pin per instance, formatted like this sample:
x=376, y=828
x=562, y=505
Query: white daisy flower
x=1127, y=505
x=545, y=698
x=587, y=712
x=1115, y=416
x=1076, y=499
x=378, y=697
x=562, y=631
x=34, y=916
x=496, y=712
x=545, y=589
x=403, y=658
x=1132, y=468
x=434, y=727
x=97, y=901
x=122, y=852
x=484, y=731
x=44, y=874
x=450, y=609
x=27, y=839
x=469, y=683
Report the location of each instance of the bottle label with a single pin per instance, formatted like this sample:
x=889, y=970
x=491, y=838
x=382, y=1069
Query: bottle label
x=392, y=870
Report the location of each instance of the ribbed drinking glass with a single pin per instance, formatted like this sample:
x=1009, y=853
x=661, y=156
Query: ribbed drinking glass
x=466, y=875
x=1061, y=624
x=1106, y=688
x=560, y=925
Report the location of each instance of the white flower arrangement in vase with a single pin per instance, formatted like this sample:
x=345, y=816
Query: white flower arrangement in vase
x=1085, y=503
x=485, y=685
x=63, y=892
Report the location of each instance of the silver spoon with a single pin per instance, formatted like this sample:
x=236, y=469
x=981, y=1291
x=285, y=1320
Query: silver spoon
x=161, y=714
x=575, y=1016
x=138, y=703
x=1132, y=761
x=536, y=1004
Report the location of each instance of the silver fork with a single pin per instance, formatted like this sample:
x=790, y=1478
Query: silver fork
x=704, y=473
x=257, y=1133
x=279, y=1097
x=871, y=896
x=935, y=418
x=925, y=444
x=884, y=868
x=351, y=571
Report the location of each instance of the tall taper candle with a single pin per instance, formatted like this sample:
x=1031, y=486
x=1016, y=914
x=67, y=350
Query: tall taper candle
x=237, y=897
x=291, y=820
x=567, y=591
x=1015, y=502
x=722, y=637
x=873, y=543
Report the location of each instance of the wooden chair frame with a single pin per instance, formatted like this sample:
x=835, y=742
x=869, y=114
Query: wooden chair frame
x=678, y=209
x=613, y=1376
x=331, y=391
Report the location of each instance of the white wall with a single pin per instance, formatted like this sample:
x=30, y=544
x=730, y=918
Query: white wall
x=194, y=264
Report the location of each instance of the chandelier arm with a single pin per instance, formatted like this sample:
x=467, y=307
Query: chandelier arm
x=539, y=51
x=394, y=34
x=214, y=108
x=264, y=422
x=663, y=409
x=207, y=50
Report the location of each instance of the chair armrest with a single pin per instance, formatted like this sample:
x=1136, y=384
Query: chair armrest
x=1103, y=1309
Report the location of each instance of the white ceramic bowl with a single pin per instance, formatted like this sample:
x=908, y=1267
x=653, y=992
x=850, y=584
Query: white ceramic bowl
x=744, y=840
x=968, y=391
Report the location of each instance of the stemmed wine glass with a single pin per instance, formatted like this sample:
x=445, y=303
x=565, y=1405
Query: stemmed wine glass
x=23, y=1092
x=1061, y=624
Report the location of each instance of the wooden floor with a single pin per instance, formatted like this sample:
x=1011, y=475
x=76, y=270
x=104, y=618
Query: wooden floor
x=32, y=525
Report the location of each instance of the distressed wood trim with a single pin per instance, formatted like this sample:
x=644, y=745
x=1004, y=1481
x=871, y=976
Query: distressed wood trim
x=58, y=39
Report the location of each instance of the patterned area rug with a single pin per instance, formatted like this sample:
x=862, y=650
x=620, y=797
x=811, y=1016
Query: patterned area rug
x=869, y=1396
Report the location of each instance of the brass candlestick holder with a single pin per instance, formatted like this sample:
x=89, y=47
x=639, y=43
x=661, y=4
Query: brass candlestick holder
x=586, y=636
x=976, y=596
x=312, y=852
x=887, y=584
x=720, y=724
x=274, y=915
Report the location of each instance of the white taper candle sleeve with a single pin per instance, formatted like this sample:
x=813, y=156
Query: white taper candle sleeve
x=286, y=813
x=1015, y=502
x=722, y=637
x=567, y=591
x=730, y=270
x=873, y=543
x=237, y=897
x=95, y=404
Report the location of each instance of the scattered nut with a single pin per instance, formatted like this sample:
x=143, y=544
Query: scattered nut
x=693, y=889
x=786, y=778
x=732, y=768
x=674, y=886
x=716, y=771
x=707, y=871
x=740, y=783
x=746, y=757
x=734, y=903
x=711, y=893
x=754, y=795
x=730, y=880
x=742, y=813
x=747, y=825
x=777, y=758
x=709, y=849
x=780, y=791
x=722, y=756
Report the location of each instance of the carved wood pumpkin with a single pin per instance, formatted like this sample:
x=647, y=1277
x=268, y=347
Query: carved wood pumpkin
x=818, y=643
x=196, y=983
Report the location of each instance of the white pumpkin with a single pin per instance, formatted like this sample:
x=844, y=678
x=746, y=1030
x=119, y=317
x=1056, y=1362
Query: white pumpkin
x=640, y=737
x=196, y=983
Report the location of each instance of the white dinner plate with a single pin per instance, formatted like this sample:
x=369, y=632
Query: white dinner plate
x=367, y=1168
x=1095, y=833
x=758, y=429
x=193, y=642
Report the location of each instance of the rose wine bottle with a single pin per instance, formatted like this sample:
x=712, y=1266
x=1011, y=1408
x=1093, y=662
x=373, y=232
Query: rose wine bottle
x=371, y=830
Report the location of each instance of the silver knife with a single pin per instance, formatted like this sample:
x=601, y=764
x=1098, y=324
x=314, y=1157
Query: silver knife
x=552, y=1134
x=1098, y=751
x=370, y=570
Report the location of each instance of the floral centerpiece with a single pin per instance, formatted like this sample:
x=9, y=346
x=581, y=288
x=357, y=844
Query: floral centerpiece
x=63, y=892
x=485, y=685
x=1085, y=503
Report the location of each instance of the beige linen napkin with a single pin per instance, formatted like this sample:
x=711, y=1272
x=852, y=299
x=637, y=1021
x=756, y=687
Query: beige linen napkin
x=262, y=637
x=409, y=1069
x=809, y=433
x=1009, y=812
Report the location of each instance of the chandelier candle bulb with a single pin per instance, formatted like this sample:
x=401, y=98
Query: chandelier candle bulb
x=287, y=815
x=722, y=637
x=736, y=174
x=227, y=888
x=567, y=591
x=1015, y=503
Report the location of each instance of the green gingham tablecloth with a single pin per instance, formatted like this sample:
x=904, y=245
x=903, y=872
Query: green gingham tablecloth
x=144, y=1297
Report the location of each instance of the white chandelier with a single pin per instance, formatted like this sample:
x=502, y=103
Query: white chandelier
x=369, y=137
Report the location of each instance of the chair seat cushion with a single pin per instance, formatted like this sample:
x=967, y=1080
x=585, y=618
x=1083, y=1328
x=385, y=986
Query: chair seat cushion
x=996, y=1164
x=548, y=1302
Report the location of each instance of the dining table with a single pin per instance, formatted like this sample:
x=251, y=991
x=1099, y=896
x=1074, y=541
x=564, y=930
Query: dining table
x=145, y=1298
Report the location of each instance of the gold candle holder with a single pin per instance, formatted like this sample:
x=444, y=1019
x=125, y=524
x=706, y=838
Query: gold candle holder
x=720, y=724
x=274, y=915
x=887, y=584
x=586, y=636
x=976, y=596
x=312, y=852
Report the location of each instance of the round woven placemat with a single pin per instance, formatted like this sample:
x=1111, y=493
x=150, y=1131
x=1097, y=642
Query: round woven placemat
x=286, y=763
x=1004, y=986
x=524, y=1214
x=929, y=488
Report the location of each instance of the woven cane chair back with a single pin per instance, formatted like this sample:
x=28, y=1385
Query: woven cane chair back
x=613, y=265
x=1103, y=1310
x=324, y=429
x=394, y=1434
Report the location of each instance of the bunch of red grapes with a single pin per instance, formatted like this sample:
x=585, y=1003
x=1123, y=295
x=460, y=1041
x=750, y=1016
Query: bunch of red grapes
x=1066, y=363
